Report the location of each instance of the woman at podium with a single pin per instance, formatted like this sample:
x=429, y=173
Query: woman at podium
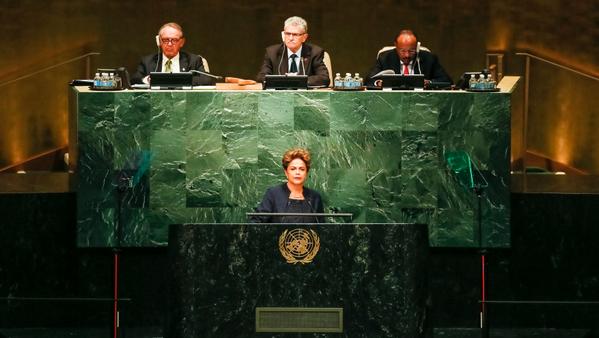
x=292, y=196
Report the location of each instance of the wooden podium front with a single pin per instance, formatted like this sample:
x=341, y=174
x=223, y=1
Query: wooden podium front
x=297, y=280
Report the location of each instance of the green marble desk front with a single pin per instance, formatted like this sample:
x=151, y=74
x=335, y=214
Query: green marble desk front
x=207, y=157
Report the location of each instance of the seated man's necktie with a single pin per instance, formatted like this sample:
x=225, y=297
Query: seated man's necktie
x=293, y=68
x=167, y=66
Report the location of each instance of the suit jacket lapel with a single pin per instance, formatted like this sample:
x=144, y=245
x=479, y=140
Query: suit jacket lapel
x=306, y=57
x=183, y=62
x=396, y=62
x=157, y=66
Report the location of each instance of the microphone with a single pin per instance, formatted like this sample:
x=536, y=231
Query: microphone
x=384, y=72
x=159, y=58
x=303, y=68
x=281, y=60
x=418, y=57
x=312, y=210
x=206, y=74
x=286, y=208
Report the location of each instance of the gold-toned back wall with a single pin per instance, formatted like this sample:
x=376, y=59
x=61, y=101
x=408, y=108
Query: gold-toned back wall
x=232, y=36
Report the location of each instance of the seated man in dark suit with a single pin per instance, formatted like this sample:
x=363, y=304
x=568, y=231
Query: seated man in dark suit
x=170, y=39
x=407, y=58
x=294, y=56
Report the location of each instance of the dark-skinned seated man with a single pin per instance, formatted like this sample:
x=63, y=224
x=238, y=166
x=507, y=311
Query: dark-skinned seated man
x=406, y=58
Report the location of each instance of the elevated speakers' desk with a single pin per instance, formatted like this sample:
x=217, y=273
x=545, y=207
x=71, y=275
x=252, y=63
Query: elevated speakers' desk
x=208, y=156
x=220, y=273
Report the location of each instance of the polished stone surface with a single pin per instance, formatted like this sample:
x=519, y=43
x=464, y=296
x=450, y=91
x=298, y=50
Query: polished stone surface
x=210, y=156
x=219, y=274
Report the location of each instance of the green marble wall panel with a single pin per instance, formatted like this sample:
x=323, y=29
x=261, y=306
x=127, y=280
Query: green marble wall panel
x=378, y=155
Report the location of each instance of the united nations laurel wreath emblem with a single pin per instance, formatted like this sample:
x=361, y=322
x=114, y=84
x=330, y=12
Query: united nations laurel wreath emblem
x=299, y=245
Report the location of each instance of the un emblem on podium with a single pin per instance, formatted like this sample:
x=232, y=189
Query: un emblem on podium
x=299, y=245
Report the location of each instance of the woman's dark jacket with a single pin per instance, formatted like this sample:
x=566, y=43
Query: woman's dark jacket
x=276, y=199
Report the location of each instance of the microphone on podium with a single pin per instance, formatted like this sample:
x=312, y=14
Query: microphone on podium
x=206, y=74
x=304, y=214
x=384, y=72
x=377, y=77
x=227, y=79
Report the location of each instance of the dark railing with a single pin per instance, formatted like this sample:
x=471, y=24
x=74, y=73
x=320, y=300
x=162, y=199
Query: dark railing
x=88, y=70
x=45, y=160
x=559, y=185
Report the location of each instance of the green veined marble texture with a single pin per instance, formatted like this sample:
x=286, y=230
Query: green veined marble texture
x=211, y=155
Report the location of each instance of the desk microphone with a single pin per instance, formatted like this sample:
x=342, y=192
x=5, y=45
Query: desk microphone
x=312, y=210
x=159, y=59
x=418, y=57
x=303, y=68
x=206, y=74
x=384, y=72
x=281, y=60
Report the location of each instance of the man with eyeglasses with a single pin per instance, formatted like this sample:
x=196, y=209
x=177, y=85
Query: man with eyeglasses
x=171, y=58
x=408, y=58
x=295, y=56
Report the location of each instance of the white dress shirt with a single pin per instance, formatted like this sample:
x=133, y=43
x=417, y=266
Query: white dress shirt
x=175, y=66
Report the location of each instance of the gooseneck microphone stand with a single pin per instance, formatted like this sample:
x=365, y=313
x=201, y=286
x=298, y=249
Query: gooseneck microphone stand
x=484, y=324
x=460, y=163
x=123, y=185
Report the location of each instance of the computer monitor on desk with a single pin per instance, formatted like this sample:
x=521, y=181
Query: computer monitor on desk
x=273, y=82
x=402, y=82
x=171, y=81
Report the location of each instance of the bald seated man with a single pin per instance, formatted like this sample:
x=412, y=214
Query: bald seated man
x=406, y=59
x=171, y=58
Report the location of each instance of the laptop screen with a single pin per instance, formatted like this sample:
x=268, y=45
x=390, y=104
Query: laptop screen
x=160, y=80
x=286, y=82
x=402, y=82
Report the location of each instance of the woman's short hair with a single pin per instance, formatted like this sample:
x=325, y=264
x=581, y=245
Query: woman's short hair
x=294, y=153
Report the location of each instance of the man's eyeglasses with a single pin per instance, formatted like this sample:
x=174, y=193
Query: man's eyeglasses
x=173, y=41
x=295, y=35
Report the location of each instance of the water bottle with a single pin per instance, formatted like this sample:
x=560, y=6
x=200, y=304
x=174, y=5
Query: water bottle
x=110, y=81
x=491, y=84
x=357, y=81
x=97, y=80
x=472, y=82
x=348, y=81
x=104, y=80
x=117, y=82
x=482, y=82
x=338, y=82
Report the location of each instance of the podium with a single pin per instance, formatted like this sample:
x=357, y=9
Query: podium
x=254, y=280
